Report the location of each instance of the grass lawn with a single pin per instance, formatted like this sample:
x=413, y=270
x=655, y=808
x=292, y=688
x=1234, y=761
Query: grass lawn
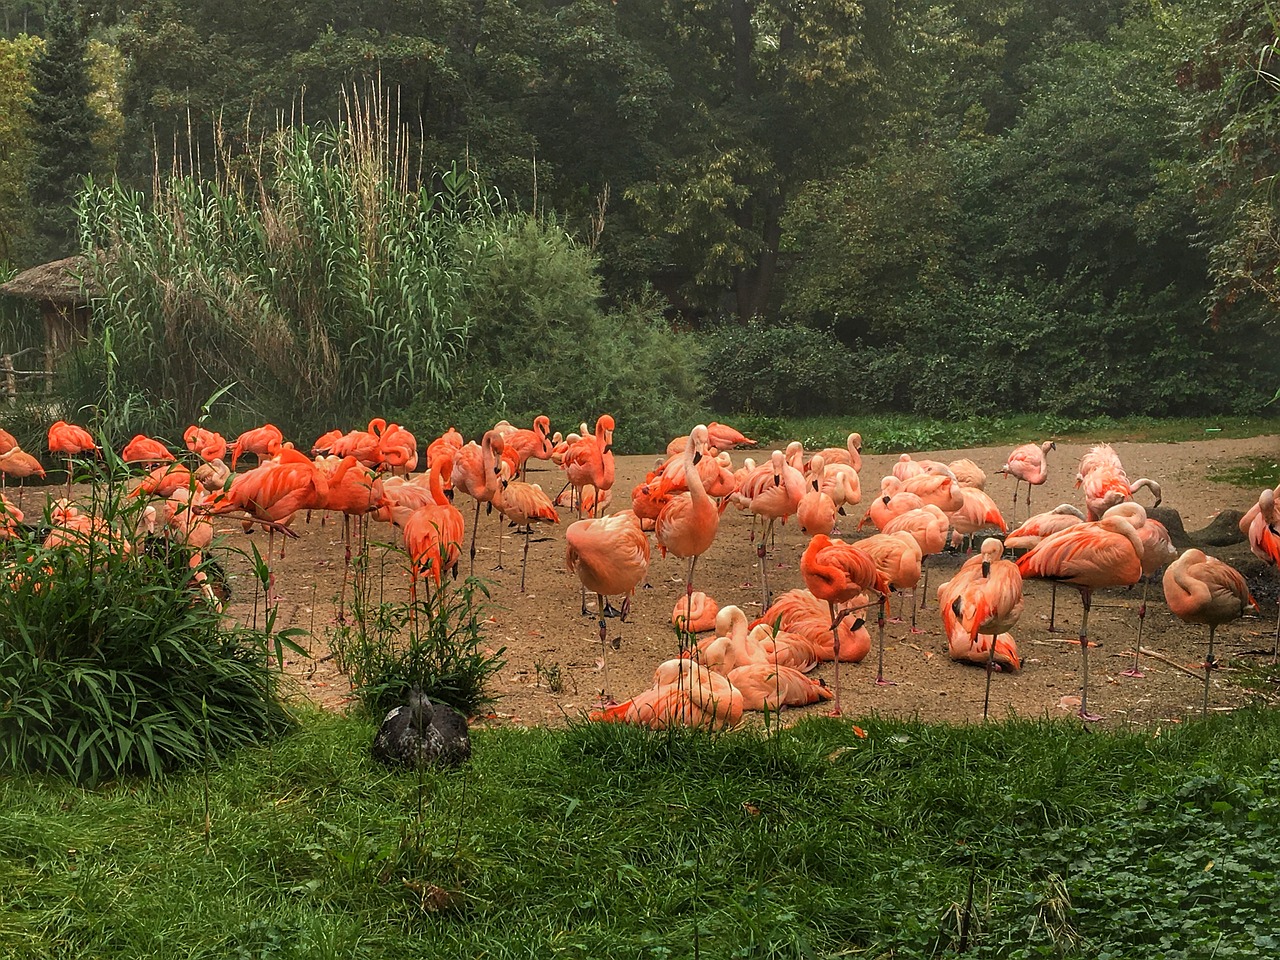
x=1021, y=839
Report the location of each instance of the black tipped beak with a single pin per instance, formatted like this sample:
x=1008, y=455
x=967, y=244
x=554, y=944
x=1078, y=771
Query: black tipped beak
x=697, y=456
x=986, y=568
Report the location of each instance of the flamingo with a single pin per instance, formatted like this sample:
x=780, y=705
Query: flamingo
x=684, y=694
x=525, y=445
x=1203, y=589
x=1101, y=553
x=397, y=450
x=590, y=460
x=1106, y=483
x=432, y=536
x=696, y=614
x=354, y=491
x=929, y=526
x=720, y=437
x=1028, y=464
x=21, y=465
x=610, y=556
x=837, y=572
x=816, y=511
x=1263, y=531
x=850, y=454
x=984, y=597
x=205, y=444
x=525, y=504
x=446, y=447
x=7, y=442
x=978, y=511
x=143, y=449
x=773, y=491
x=687, y=524
x=968, y=473
x=1034, y=529
x=10, y=516
x=72, y=440
x=804, y=618
x=1157, y=553
x=264, y=441
x=476, y=471
x=898, y=558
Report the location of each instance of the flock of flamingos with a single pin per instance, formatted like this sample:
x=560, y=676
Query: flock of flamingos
x=920, y=509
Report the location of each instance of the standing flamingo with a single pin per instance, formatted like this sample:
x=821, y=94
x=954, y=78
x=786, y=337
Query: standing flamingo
x=773, y=491
x=590, y=460
x=1203, y=589
x=1028, y=464
x=610, y=556
x=205, y=444
x=19, y=464
x=264, y=441
x=72, y=440
x=1157, y=553
x=687, y=525
x=432, y=536
x=1264, y=540
x=1103, y=553
x=838, y=572
x=525, y=504
x=525, y=445
x=476, y=471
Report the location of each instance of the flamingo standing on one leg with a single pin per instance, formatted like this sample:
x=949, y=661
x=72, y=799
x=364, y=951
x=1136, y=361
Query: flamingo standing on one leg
x=432, y=537
x=1103, y=553
x=688, y=523
x=1028, y=464
x=205, y=444
x=1157, y=553
x=837, y=572
x=589, y=460
x=525, y=504
x=17, y=463
x=773, y=491
x=71, y=440
x=1263, y=531
x=610, y=556
x=1203, y=589
x=476, y=471
x=1034, y=529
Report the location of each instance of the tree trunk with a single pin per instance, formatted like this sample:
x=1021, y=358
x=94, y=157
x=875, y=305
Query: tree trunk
x=753, y=284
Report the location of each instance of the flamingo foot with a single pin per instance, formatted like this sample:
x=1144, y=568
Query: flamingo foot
x=882, y=682
x=1133, y=672
x=604, y=700
x=1088, y=716
x=916, y=631
x=835, y=712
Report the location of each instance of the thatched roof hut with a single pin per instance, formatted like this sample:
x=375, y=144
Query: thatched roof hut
x=63, y=289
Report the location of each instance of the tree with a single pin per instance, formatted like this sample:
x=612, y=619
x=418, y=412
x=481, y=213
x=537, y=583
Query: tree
x=63, y=128
x=15, y=143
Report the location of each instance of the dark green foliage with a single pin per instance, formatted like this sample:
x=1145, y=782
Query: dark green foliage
x=437, y=645
x=111, y=663
x=780, y=370
x=63, y=125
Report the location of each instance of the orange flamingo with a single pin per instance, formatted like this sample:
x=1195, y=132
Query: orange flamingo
x=525, y=504
x=143, y=449
x=432, y=536
x=837, y=572
x=10, y=516
x=590, y=459
x=1263, y=531
x=898, y=558
x=72, y=440
x=477, y=472
x=929, y=527
x=353, y=490
x=1028, y=464
x=271, y=494
x=1101, y=553
x=397, y=450
x=771, y=686
x=684, y=694
x=610, y=556
x=773, y=491
x=264, y=441
x=850, y=453
x=164, y=481
x=1106, y=483
x=1203, y=589
x=720, y=437
x=696, y=614
x=525, y=445
x=687, y=525
x=446, y=447
x=7, y=442
x=1034, y=529
x=978, y=511
x=205, y=444
x=19, y=464
x=984, y=597
x=968, y=473
x=802, y=616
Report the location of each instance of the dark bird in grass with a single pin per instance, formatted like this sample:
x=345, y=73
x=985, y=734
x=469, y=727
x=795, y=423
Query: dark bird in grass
x=422, y=734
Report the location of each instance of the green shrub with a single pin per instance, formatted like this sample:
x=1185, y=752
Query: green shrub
x=111, y=663
x=777, y=369
x=437, y=645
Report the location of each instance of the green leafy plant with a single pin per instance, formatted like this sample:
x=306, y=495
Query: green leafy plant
x=111, y=662
x=437, y=645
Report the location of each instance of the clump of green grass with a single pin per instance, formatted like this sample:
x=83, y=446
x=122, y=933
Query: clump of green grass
x=604, y=840
x=1252, y=473
x=111, y=661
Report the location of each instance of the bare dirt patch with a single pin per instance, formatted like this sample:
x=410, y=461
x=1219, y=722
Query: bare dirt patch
x=554, y=667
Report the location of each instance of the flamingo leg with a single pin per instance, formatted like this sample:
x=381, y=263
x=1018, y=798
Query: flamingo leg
x=1053, y=603
x=501, y=524
x=475, y=525
x=1133, y=671
x=346, y=563
x=924, y=591
x=1086, y=597
x=604, y=652
x=271, y=574
x=835, y=645
x=986, y=697
x=764, y=574
x=525, y=559
x=880, y=680
x=1275, y=644
x=1210, y=664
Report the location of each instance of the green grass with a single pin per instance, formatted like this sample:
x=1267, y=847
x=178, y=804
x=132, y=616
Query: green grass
x=898, y=433
x=601, y=841
x=1252, y=473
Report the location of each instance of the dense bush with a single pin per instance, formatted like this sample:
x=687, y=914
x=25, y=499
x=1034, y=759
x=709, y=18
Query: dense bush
x=778, y=369
x=111, y=663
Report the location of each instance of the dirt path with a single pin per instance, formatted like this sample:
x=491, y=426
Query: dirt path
x=554, y=667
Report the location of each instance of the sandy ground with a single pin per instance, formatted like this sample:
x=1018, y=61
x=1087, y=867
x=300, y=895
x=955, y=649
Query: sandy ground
x=555, y=667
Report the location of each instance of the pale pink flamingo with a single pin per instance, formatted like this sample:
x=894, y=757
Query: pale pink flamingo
x=1157, y=553
x=1203, y=589
x=590, y=459
x=1102, y=553
x=525, y=504
x=687, y=525
x=1028, y=464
